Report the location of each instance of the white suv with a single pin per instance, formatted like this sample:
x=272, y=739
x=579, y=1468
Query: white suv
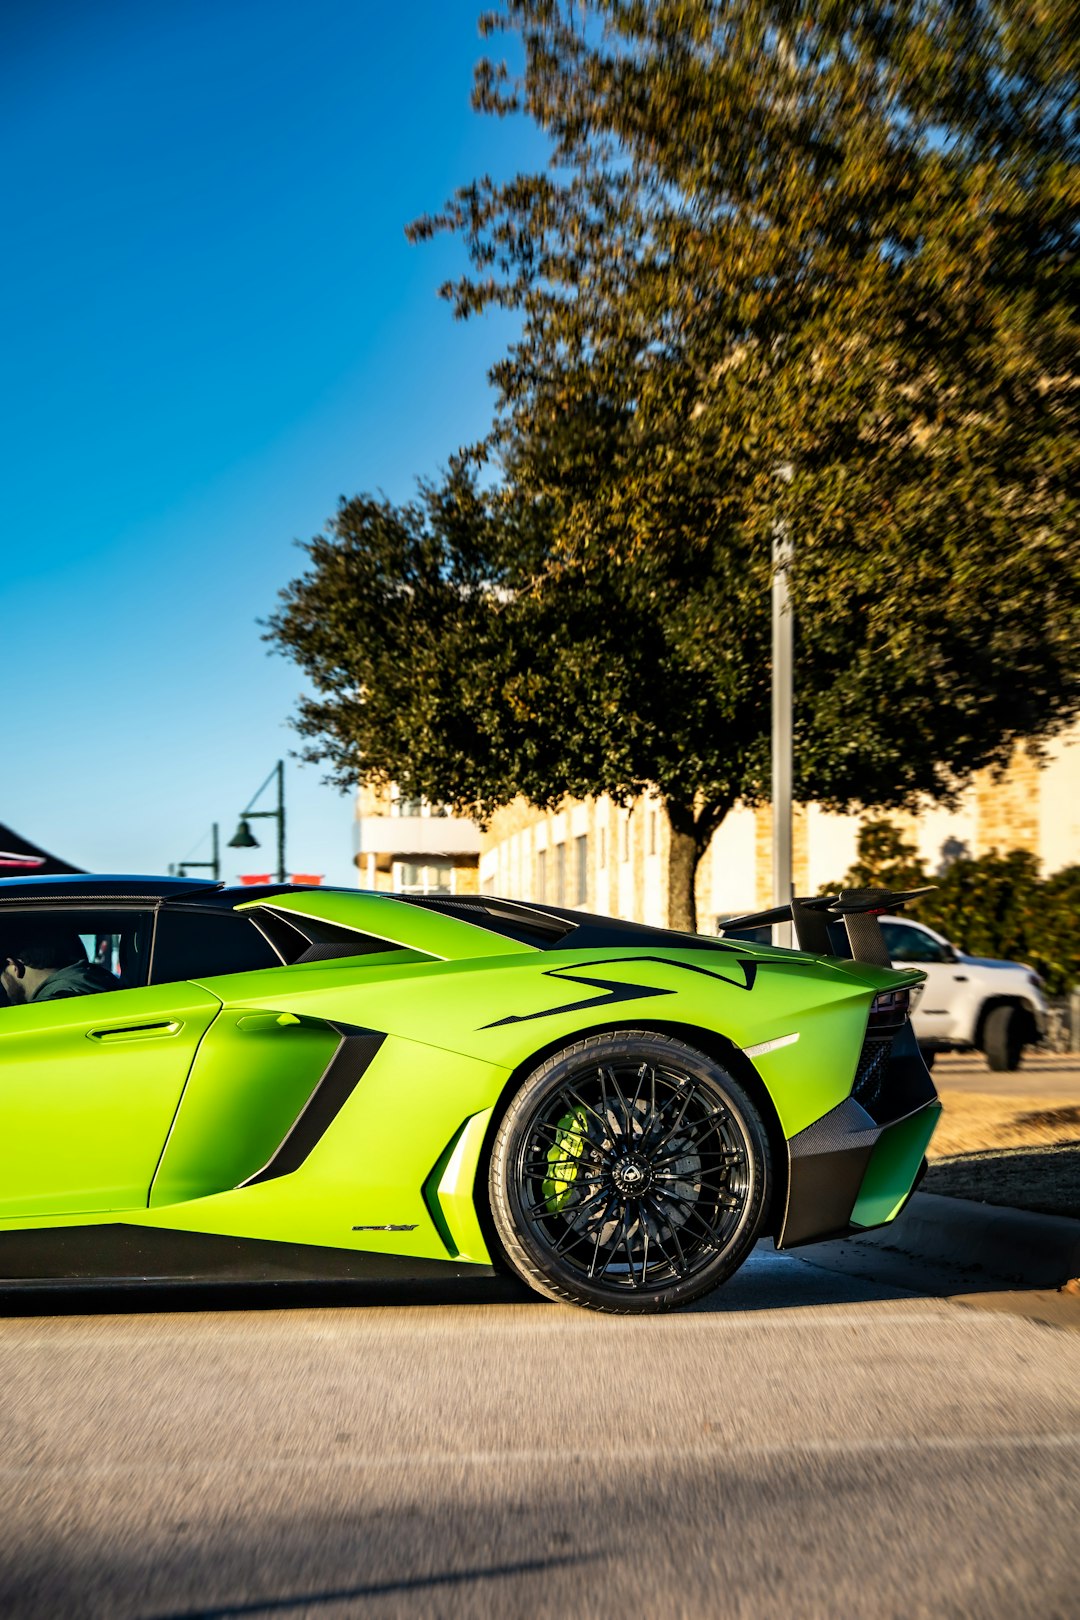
x=968, y=1000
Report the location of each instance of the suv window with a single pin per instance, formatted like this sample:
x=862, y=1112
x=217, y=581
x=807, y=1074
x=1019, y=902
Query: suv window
x=204, y=944
x=907, y=944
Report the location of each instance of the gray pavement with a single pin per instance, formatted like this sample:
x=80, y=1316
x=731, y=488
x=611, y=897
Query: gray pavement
x=1042, y=1074
x=804, y=1443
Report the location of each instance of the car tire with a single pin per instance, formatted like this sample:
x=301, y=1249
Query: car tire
x=1003, y=1038
x=676, y=1184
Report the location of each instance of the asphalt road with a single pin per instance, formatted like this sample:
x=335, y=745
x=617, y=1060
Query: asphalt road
x=805, y=1443
x=1042, y=1074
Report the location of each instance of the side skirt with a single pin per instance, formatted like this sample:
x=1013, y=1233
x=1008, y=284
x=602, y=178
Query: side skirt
x=124, y=1254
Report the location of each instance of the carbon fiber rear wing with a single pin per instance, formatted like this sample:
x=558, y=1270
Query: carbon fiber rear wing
x=857, y=909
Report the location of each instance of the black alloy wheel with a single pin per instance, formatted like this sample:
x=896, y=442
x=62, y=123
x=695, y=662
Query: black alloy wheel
x=630, y=1173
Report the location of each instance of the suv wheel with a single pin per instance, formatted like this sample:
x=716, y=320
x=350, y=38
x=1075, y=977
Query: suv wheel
x=1003, y=1038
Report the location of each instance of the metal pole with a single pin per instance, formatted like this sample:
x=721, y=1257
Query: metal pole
x=215, y=863
x=782, y=687
x=281, y=820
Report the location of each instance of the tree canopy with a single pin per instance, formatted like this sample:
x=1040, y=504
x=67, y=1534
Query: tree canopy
x=811, y=265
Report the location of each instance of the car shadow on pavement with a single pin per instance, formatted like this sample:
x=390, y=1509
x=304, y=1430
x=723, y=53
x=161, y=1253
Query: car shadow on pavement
x=1043, y=1178
x=767, y=1281
x=376, y=1589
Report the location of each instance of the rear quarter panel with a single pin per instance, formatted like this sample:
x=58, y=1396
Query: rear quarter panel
x=502, y=1011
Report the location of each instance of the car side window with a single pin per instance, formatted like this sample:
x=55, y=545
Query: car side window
x=102, y=949
x=906, y=944
x=190, y=944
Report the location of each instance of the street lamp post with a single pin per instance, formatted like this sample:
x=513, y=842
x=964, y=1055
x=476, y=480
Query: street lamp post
x=244, y=838
x=214, y=864
x=783, y=552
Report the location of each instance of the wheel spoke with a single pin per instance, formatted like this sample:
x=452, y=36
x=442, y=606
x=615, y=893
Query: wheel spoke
x=681, y=1116
x=575, y=1232
x=693, y=1203
x=543, y=1207
x=573, y=1093
x=614, y=1247
x=629, y=1256
x=559, y=1133
x=637, y=1089
x=680, y=1263
x=726, y=1155
x=693, y=1178
x=623, y=1104
x=599, y=1234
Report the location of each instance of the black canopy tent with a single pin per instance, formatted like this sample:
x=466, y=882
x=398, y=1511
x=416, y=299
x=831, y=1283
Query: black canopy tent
x=20, y=858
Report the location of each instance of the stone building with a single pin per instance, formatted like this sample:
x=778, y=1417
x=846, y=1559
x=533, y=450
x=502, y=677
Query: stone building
x=598, y=855
x=408, y=846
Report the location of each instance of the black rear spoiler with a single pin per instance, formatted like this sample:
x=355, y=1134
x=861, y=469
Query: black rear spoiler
x=858, y=909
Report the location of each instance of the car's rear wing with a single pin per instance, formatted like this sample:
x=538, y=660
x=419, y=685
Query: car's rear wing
x=815, y=916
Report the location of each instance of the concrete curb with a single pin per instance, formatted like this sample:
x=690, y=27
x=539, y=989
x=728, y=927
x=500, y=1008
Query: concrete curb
x=958, y=1236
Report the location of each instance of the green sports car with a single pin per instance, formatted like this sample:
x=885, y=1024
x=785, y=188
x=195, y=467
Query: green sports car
x=286, y=1082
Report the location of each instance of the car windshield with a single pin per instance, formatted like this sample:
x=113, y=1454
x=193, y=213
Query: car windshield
x=908, y=944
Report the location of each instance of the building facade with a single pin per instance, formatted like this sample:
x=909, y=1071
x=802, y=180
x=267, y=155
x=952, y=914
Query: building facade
x=601, y=856
x=408, y=846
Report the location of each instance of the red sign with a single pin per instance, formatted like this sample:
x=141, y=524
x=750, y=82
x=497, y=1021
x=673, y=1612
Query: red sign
x=255, y=877
x=307, y=877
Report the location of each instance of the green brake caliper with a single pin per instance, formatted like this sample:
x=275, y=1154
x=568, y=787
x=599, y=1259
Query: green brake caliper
x=563, y=1158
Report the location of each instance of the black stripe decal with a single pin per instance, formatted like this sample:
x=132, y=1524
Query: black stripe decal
x=613, y=992
x=616, y=991
x=343, y=1074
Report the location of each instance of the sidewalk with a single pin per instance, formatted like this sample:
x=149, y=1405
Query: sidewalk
x=1001, y=1245
x=978, y=1255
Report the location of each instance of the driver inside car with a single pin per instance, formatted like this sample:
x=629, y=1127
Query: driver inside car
x=47, y=962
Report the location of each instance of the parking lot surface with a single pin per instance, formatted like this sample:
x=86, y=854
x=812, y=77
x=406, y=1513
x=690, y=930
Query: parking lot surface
x=802, y=1443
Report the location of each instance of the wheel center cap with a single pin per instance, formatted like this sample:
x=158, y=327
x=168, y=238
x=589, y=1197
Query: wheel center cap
x=631, y=1175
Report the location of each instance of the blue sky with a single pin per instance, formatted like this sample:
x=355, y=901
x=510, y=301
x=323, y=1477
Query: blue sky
x=212, y=328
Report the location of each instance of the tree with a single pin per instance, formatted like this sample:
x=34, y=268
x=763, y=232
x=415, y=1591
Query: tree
x=812, y=265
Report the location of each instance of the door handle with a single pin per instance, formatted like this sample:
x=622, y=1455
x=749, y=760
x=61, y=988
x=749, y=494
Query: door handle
x=135, y=1032
x=960, y=978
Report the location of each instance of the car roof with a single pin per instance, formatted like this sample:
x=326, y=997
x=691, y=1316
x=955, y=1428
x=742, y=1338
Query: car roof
x=544, y=926
x=91, y=886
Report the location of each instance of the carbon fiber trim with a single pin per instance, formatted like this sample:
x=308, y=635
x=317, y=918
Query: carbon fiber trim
x=121, y=1254
x=827, y=1162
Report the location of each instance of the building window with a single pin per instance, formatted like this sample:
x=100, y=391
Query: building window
x=602, y=863
x=654, y=820
x=560, y=874
x=541, y=874
x=626, y=836
x=412, y=878
x=581, y=869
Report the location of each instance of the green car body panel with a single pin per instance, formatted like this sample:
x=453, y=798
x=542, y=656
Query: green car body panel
x=346, y=1104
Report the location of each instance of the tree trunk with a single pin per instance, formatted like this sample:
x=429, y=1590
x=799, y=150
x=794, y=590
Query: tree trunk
x=683, y=857
x=692, y=828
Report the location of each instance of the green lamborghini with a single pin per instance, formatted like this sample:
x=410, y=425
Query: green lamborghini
x=200, y=1082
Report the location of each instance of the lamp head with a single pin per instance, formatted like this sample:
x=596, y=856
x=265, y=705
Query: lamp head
x=243, y=837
